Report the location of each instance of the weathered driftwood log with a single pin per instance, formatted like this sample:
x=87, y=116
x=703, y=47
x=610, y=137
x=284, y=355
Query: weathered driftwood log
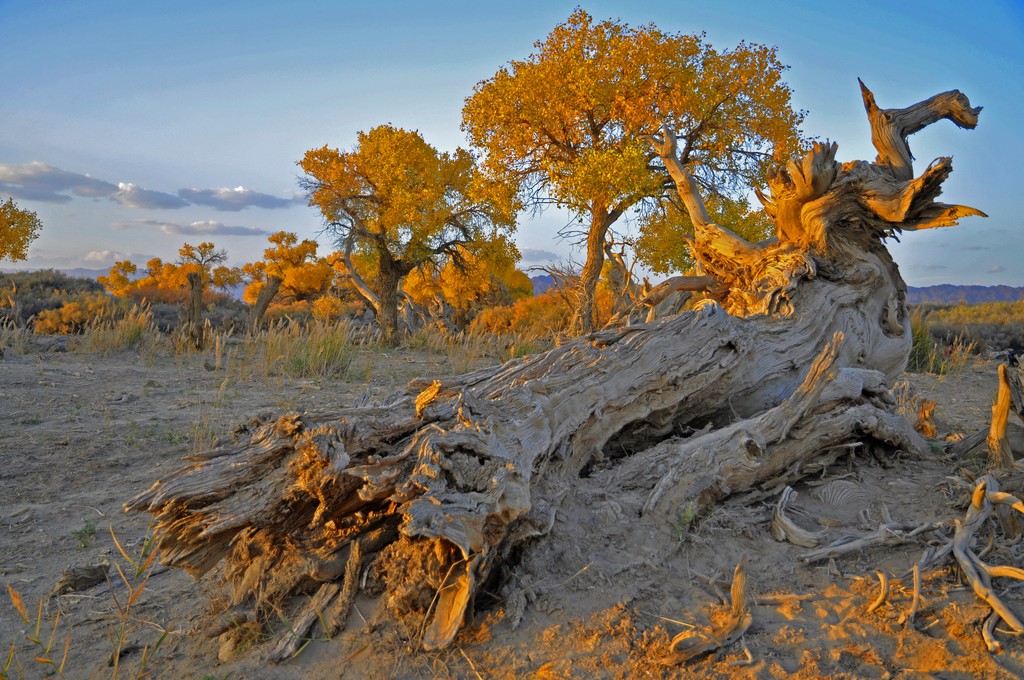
x=777, y=375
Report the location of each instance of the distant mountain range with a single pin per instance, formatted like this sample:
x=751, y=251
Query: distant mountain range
x=944, y=294
x=542, y=283
x=949, y=294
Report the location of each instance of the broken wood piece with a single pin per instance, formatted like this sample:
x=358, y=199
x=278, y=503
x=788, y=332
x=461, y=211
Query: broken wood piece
x=694, y=642
x=883, y=591
x=989, y=636
x=1000, y=457
x=80, y=577
x=926, y=419
x=889, y=533
x=1015, y=379
x=908, y=617
x=979, y=574
x=337, y=611
x=891, y=127
x=961, y=447
x=295, y=638
x=785, y=529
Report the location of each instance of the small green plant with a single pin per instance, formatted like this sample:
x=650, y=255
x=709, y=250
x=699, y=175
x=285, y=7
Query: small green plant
x=86, y=534
x=684, y=520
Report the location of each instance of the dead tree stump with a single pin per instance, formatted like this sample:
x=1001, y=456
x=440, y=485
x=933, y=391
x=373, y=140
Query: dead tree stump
x=787, y=362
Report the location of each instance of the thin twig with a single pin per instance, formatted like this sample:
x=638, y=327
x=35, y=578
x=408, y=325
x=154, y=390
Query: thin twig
x=749, y=661
x=470, y=662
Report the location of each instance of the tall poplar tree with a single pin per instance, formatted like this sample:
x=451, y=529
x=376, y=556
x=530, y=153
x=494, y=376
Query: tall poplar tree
x=568, y=124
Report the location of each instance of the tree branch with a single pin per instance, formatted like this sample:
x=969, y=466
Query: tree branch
x=891, y=127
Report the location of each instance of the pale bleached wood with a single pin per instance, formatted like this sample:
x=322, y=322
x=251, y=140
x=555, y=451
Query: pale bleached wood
x=695, y=642
x=785, y=529
x=461, y=472
x=891, y=127
x=1000, y=457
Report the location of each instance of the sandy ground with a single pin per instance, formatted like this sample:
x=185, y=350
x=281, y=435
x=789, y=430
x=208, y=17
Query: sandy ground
x=81, y=433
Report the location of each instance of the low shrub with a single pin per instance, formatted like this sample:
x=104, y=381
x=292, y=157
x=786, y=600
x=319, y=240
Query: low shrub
x=75, y=314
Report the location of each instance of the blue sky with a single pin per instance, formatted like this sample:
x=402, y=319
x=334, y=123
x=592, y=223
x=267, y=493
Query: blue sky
x=131, y=128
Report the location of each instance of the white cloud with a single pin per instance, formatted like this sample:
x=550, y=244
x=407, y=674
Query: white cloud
x=131, y=196
x=37, y=181
x=198, y=228
x=236, y=199
x=103, y=256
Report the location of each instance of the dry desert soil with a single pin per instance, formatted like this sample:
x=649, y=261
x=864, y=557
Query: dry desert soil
x=600, y=597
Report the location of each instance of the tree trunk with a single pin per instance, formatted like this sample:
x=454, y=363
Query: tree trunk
x=263, y=300
x=194, y=311
x=600, y=220
x=388, y=294
x=764, y=383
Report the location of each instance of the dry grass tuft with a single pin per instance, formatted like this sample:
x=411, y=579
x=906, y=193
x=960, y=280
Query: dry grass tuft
x=928, y=356
x=318, y=350
x=13, y=338
x=51, y=658
x=132, y=330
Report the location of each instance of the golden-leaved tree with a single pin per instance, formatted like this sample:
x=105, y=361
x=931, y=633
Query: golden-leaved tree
x=569, y=125
x=290, y=272
x=168, y=281
x=18, y=228
x=477, y=279
x=398, y=201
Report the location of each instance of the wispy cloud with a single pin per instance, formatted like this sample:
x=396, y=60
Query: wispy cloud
x=131, y=196
x=104, y=259
x=235, y=199
x=38, y=181
x=103, y=256
x=199, y=228
x=538, y=255
x=996, y=269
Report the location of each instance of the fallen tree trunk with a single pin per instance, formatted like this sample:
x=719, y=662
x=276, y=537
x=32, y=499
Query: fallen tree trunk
x=783, y=369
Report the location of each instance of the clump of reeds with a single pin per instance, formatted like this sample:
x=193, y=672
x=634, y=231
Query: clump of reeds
x=134, y=329
x=316, y=350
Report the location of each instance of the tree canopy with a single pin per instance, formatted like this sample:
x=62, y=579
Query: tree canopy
x=401, y=203
x=167, y=281
x=303, y=275
x=568, y=124
x=18, y=228
x=486, y=277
